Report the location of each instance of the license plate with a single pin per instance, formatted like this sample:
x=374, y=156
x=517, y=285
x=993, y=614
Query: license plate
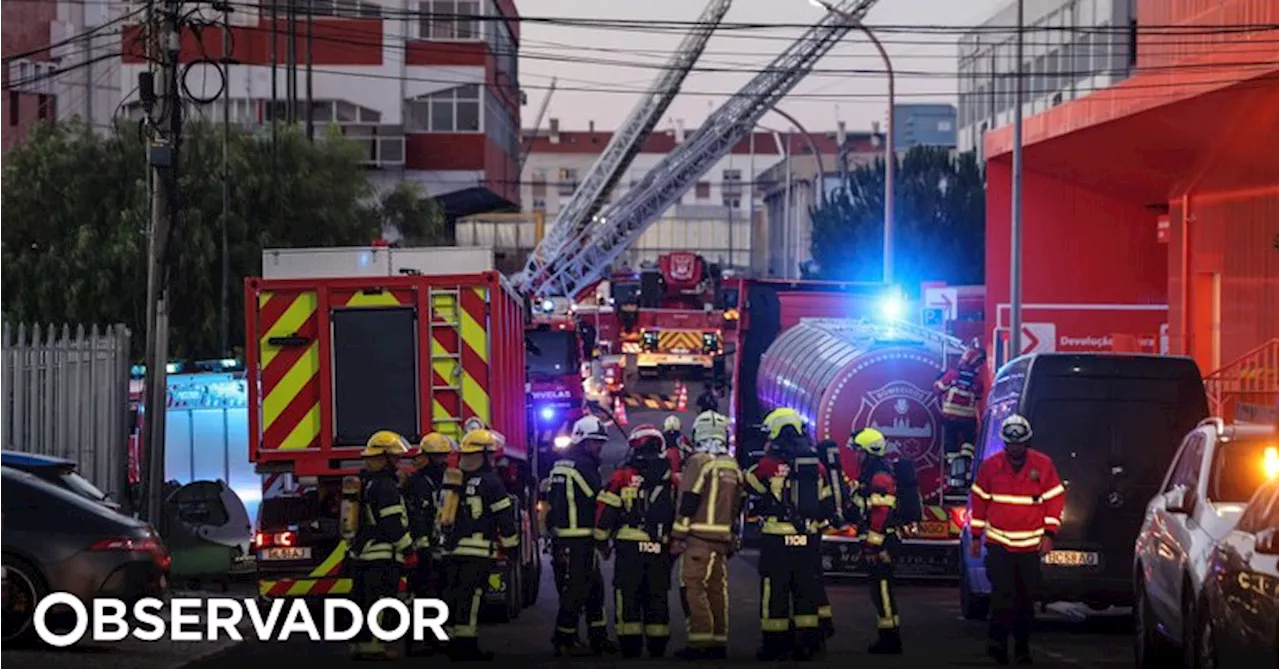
x=286, y=553
x=1071, y=559
x=933, y=528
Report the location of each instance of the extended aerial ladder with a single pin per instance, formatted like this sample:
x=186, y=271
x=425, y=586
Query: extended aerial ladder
x=584, y=259
x=576, y=215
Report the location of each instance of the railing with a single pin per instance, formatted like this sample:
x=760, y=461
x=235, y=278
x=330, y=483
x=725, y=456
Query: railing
x=1250, y=379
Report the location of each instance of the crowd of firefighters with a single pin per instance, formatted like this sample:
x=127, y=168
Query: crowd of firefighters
x=672, y=511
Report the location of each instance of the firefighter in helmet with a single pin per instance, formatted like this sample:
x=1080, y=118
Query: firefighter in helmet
x=637, y=511
x=571, y=499
x=829, y=451
x=706, y=536
x=421, y=491
x=886, y=498
x=679, y=448
x=793, y=497
x=376, y=552
x=477, y=523
x=959, y=391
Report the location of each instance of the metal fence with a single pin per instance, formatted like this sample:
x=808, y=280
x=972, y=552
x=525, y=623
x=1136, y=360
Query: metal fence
x=66, y=394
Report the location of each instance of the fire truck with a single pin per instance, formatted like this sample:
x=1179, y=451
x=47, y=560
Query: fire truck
x=554, y=348
x=348, y=341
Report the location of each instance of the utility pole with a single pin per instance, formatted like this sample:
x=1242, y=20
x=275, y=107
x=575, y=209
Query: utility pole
x=1015, y=234
x=291, y=60
x=166, y=131
x=224, y=329
x=311, y=51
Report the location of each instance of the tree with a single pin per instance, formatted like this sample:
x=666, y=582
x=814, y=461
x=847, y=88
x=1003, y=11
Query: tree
x=419, y=219
x=76, y=209
x=940, y=209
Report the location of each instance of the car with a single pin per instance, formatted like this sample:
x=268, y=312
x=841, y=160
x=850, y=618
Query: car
x=1237, y=612
x=58, y=471
x=1217, y=470
x=55, y=540
x=1111, y=424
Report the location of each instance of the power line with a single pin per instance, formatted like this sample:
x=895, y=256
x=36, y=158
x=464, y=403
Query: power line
x=72, y=39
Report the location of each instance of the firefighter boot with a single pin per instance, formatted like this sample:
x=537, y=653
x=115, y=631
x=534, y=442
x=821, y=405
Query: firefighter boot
x=658, y=646
x=371, y=650
x=1022, y=653
x=632, y=646
x=998, y=650
x=467, y=650
x=889, y=643
x=571, y=648
x=774, y=647
x=693, y=653
x=602, y=645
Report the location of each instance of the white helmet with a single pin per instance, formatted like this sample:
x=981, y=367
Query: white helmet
x=1015, y=430
x=710, y=425
x=588, y=428
x=671, y=424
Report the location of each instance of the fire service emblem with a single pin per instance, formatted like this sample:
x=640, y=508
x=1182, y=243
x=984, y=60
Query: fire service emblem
x=682, y=265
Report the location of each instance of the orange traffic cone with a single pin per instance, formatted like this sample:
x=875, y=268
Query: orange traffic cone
x=619, y=412
x=682, y=398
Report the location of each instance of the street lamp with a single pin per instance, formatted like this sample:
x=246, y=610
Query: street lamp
x=890, y=155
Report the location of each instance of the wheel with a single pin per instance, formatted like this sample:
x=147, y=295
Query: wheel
x=1150, y=648
x=972, y=605
x=23, y=588
x=515, y=591
x=1206, y=645
x=532, y=581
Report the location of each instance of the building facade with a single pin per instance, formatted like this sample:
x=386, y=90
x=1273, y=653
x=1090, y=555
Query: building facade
x=1070, y=49
x=30, y=73
x=924, y=125
x=1150, y=208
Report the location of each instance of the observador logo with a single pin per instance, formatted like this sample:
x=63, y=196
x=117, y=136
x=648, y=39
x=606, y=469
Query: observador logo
x=214, y=618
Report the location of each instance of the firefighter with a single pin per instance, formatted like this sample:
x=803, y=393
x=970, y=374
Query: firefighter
x=959, y=391
x=792, y=495
x=708, y=400
x=706, y=535
x=421, y=491
x=477, y=521
x=636, y=512
x=876, y=497
x=376, y=552
x=571, y=498
x=829, y=451
x=679, y=448
x=1017, y=501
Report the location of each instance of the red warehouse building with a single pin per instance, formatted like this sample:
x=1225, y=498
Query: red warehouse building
x=1150, y=207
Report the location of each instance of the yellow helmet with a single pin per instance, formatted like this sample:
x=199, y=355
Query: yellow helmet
x=871, y=441
x=499, y=444
x=384, y=442
x=780, y=418
x=477, y=441
x=434, y=443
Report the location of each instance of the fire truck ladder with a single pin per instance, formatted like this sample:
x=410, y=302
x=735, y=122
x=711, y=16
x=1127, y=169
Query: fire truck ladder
x=444, y=324
x=608, y=169
x=624, y=222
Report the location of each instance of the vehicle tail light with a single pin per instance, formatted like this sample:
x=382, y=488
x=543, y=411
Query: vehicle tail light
x=150, y=544
x=1271, y=462
x=268, y=539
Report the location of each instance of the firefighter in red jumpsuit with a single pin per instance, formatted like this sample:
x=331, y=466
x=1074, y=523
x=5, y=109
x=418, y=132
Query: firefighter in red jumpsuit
x=959, y=392
x=1016, y=503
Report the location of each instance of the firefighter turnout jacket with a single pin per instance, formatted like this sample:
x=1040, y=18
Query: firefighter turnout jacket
x=876, y=498
x=1016, y=508
x=959, y=389
x=571, y=497
x=484, y=523
x=786, y=503
x=633, y=508
x=420, y=492
x=710, y=498
x=384, y=523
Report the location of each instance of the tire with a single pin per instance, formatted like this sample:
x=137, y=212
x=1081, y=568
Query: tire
x=515, y=591
x=22, y=579
x=1150, y=649
x=532, y=581
x=972, y=605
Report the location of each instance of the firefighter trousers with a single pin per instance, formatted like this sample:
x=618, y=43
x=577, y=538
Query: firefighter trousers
x=641, y=587
x=704, y=580
x=789, y=593
x=880, y=571
x=372, y=580
x=960, y=431
x=581, y=590
x=1014, y=578
x=825, y=624
x=465, y=577
x=426, y=579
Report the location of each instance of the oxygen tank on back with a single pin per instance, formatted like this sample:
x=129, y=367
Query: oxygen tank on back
x=450, y=496
x=349, y=510
x=910, y=508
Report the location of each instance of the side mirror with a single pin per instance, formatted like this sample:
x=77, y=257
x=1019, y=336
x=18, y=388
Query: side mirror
x=1267, y=542
x=1180, y=501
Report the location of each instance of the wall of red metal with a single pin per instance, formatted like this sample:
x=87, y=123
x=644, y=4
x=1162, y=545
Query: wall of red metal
x=336, y=42
x=25, y=27
x=1079, y=246
x=1163, y=48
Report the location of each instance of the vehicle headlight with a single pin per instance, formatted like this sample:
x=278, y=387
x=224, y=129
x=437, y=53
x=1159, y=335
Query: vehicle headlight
x=1271, y=462
x=562, y=442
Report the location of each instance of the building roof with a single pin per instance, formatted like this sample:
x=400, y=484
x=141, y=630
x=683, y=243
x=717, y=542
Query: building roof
x=664, y=141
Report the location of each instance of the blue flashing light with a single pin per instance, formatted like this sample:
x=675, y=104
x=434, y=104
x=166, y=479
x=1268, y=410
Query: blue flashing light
x=548, y=306
x=547, y=413
x=892, y=306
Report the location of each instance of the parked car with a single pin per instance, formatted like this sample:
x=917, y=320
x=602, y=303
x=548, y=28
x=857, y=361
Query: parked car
x=58, y=471
x=55, y=540
x=1217, y=471
x=1237, y=618
x=1112, y=424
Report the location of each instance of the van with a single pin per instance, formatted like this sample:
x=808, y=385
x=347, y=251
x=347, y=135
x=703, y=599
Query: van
x=1112, y=424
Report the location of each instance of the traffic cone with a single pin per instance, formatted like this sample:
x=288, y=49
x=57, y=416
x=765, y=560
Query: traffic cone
x=682, y=398
x=619, y=412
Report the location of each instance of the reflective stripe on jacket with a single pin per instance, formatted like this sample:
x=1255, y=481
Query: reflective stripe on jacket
x=1016, y=508
x=710, y=498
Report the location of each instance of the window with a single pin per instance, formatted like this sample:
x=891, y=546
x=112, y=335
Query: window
x=1186, y=470
x=1261, y=513
x=732, y=202
x=449, y=19
x=44, y=107
x=1237, y=470
x=702, y=190
x=568, y=181
x=451, y=110
x=732, y=184
x=15, y=102
x=538, y=182
x=539, y=204
x=351, y=9
x=944, y=126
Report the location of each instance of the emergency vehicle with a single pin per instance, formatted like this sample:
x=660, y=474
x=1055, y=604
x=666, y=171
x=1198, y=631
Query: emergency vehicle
x=555, y=374
x=343, y=342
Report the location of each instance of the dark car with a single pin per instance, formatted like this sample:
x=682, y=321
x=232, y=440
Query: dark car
x=55, y=540
x=1237, y=622
x=59, y=472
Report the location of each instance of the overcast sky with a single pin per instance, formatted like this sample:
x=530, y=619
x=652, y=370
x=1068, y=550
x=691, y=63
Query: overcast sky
x=595, y=58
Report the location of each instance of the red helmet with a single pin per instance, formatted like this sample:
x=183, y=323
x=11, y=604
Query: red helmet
x=973, y=357
x=643, y=434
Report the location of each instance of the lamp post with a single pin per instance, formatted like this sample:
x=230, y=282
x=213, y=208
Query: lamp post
x=890, y=153
x=1015, y=232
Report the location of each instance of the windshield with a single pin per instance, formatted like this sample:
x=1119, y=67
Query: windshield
x=1239, y=469
x=626, y=293
x=81, y=486
x=553, y=353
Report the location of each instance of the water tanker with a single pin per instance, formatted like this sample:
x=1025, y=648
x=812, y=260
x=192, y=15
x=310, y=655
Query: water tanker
x=845, y=375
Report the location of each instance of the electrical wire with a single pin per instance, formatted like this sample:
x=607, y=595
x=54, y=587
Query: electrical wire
x=72, y=39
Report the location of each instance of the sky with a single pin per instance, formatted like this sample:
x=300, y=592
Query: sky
x=595, y=58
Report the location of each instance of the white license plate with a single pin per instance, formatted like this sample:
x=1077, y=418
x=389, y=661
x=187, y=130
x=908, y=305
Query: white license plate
x=1071, y=559
x=285, y=553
